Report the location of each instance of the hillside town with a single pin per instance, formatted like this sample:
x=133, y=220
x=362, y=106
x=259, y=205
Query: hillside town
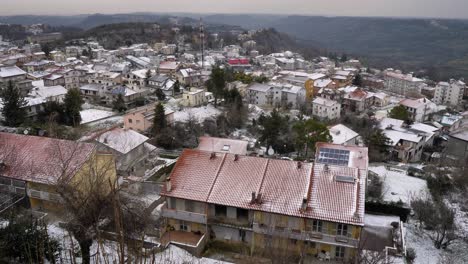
x=180, y=151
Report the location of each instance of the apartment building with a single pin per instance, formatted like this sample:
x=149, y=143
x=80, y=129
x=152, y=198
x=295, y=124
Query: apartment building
x=449, y=93
x=268, y=205
x=404, y=84
x=326, y=109
x=419, y=109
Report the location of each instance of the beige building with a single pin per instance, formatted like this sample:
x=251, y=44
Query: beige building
x=141, y=119
x=194, y=97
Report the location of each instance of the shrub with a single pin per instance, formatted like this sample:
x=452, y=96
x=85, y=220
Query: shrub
x=410, y=255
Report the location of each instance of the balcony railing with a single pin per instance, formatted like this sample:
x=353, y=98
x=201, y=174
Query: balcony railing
x=47, y=196
x=238, y=222
x=346, y=241
x=183, y=215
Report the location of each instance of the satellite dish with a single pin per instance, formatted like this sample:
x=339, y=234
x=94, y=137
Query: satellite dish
x=270, y=151
x=25, y=132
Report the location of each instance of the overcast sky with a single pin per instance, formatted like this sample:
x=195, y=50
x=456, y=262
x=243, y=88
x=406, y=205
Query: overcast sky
x=400, y=8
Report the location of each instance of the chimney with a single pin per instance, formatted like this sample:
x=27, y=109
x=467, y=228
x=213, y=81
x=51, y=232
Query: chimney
x=213, y=155
x=254, y=196
x=259, y=198
x=325, y=168
x=304, y=204
x=168, y=184
x=299, y=164
x=236, y=157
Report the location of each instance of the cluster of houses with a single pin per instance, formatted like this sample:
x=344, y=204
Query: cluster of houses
x=222, y=190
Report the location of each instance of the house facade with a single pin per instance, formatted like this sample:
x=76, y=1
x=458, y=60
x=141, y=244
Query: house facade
x=449, y=93
x=269, y=206
x=141, y=119
x=326, y=109
x=33, y=167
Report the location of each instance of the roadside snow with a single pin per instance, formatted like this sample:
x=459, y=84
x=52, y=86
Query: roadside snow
x=198, y=113
x=91, y=115
x=399, y=186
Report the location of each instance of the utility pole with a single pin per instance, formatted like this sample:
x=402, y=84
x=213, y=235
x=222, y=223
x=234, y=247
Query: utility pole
x=202, y=39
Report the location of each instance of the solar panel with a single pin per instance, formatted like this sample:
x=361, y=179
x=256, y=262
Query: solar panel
x=333, y=156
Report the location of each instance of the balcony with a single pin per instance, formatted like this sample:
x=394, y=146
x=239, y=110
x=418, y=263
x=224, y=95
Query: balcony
x=183, y=215
x=346, y=241
x=47, y=196
x=236, y=222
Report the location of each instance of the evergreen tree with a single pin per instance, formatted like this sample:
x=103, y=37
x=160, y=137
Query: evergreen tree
x=160, y=94
x=357, y=81
x=148, y=76
x=119, y=104
x=159, y=121
x=400, y=112
x=217, y=83
x=344, y=57
x=176, y=87
x=308, y=132
x=73, y=102
x=14, y=105
x=46, y=50
x=25, y=240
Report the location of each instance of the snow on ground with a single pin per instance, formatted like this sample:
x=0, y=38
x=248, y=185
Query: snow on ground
x=199, y=113
x=107, y=251
x=398, y=185
x=91, y=115
x=426, y=253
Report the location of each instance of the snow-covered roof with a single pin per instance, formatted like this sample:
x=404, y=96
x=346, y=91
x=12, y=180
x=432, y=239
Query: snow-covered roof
x=321, y=83
x=121, y=140
x=49, y=91
x=259, y=87
x=341, y=134
x=140, y=73
x=324, y=101
x=10, y=71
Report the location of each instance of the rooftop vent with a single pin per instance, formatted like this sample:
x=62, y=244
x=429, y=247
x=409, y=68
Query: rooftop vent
x=304, y=204
x=213, y=155
x=299, y=164
x=254, y=197
x=226, y=148
x=236, y=157
x=168, y=184
x=342, y=178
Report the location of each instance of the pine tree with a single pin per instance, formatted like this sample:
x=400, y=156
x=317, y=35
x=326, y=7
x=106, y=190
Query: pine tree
x=217, y=83
x=159, y=121
x=14, y=105
x=400, y=112
x=73, y=102
x=176, y=87
x=119, y=104
x=357, y=81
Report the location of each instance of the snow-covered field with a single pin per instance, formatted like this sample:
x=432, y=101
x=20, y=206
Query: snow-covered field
x=91, y=115
x=399, y=186
x=198, y=113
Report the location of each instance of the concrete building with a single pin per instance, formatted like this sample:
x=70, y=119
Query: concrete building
x=326, y=109
x=449, y=93
x=194, y=97
x=141, y=119
x=404, y=84
x=268, y=205
x=419, y=109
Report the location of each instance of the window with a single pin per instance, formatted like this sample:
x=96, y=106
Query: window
x=317, y=226
x=242, y=214
x=172, y=203
x=183, y=226
x=130, y=120
x=342, y=230
x=189, y=206
x=340, y=252
x=220, y=210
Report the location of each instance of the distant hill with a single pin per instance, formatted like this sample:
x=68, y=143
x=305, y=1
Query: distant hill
x=410, y=44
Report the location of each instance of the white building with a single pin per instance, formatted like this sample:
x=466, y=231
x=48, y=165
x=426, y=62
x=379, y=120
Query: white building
x=419, y=109
x=449, y=93
x=404, y=84
x=194, y=97
x=325, y=108
x=342, y=135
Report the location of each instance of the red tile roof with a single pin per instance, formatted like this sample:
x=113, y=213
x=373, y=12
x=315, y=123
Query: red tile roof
x=229, y=179
x=41, y=159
